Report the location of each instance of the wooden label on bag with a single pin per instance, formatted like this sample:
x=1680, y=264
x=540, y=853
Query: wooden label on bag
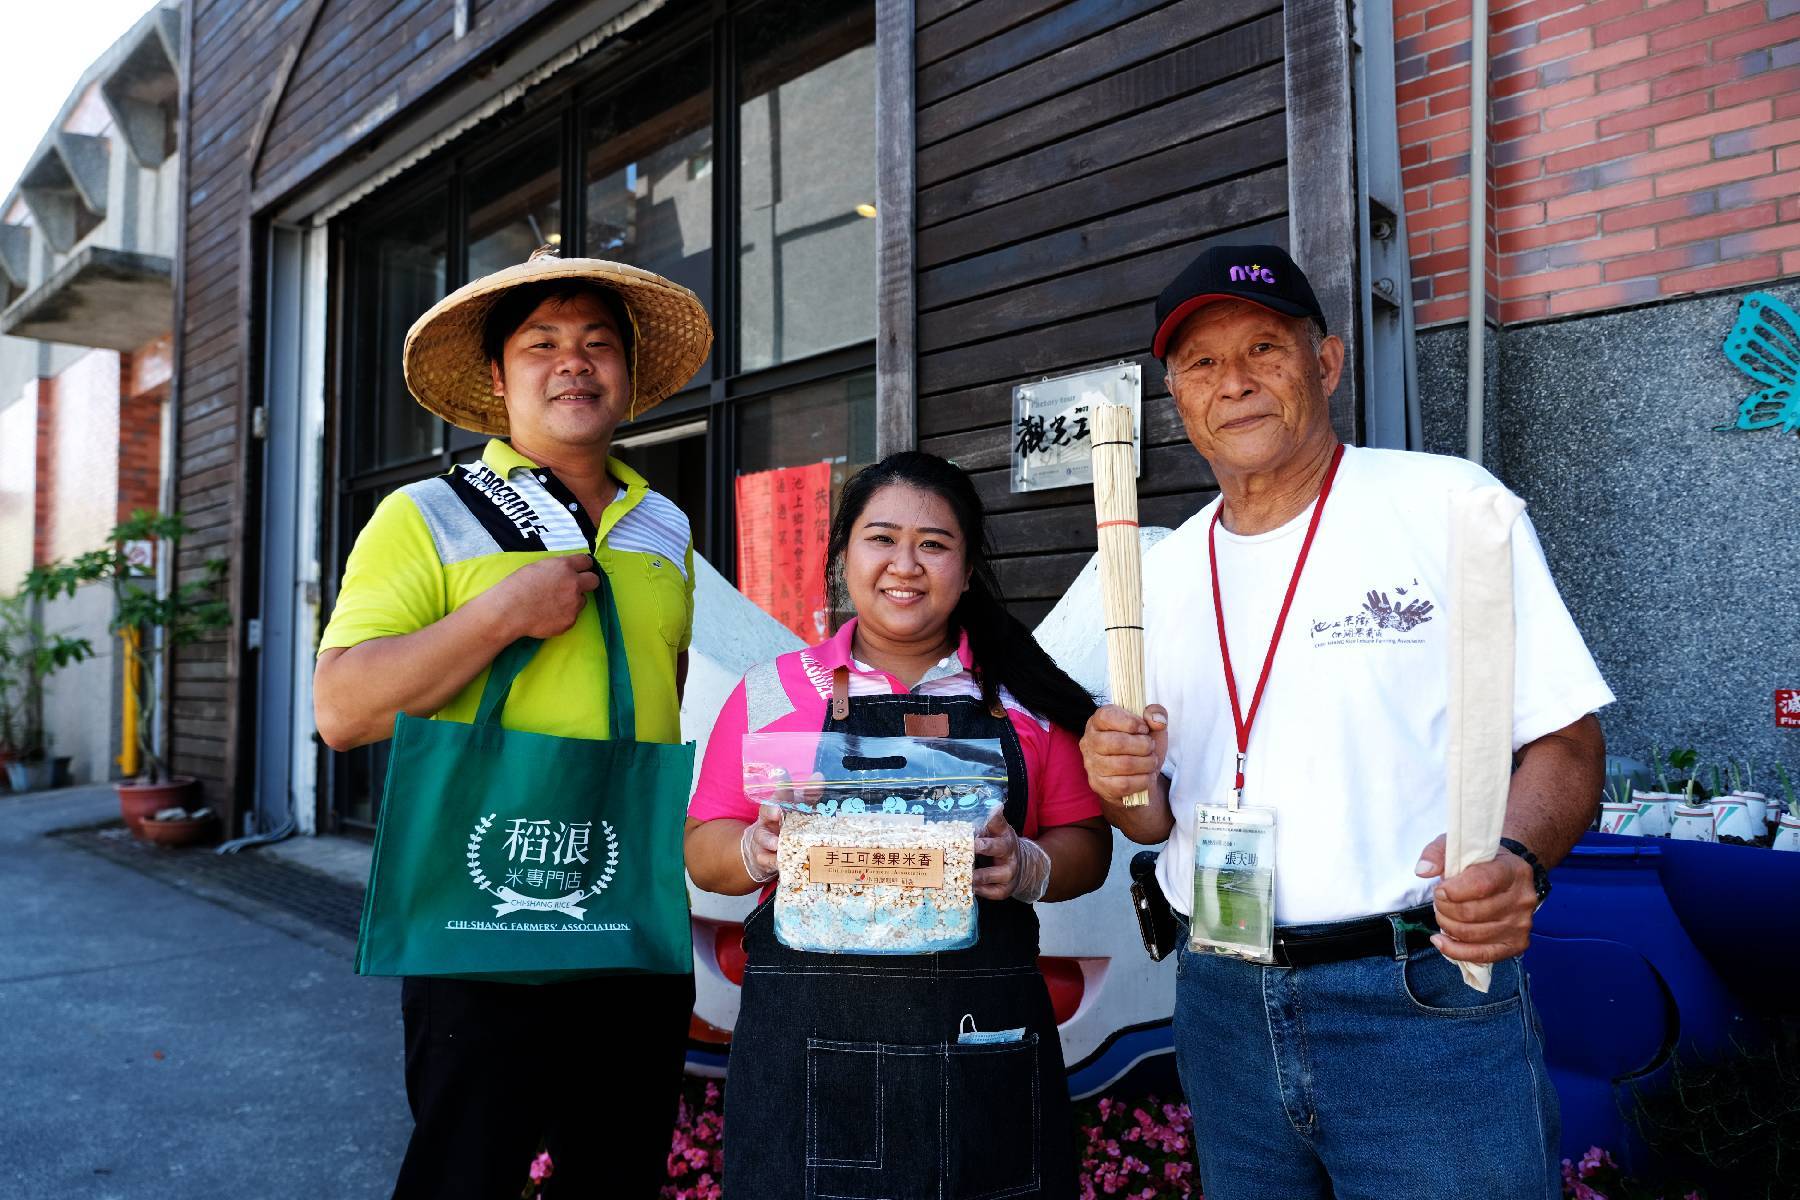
x=922, y=868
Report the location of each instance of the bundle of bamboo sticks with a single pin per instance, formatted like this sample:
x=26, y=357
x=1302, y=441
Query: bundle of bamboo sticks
x=1121, y=570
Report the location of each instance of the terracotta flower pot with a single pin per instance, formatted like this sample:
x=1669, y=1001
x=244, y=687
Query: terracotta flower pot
x=140, y=800
x=188, y=832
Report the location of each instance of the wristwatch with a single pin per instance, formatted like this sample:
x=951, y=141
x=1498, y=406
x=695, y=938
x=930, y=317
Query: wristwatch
x=1540, y=875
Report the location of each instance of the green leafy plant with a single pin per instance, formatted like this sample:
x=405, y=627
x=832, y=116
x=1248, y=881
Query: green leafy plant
x=1678, y=772
x=186, y=612
x=1787, y=790
x=1618, y=789
x=29, y=655
x=1688, y=791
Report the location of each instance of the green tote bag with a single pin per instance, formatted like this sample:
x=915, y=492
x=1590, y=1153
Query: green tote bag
x=527, y=857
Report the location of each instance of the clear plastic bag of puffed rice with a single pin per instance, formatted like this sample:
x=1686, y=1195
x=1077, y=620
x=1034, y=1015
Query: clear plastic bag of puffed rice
x=877, y=849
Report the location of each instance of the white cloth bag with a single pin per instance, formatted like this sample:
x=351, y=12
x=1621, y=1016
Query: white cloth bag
x=1479, y=761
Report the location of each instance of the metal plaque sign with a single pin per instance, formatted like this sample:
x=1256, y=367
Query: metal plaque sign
x=141, y=556
x=1051, y=429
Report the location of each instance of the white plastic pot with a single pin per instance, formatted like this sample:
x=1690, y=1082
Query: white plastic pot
x=1758, y=804
x=1655, y=812
x=1787, y=834
x=1616, y=817
x=1693, y=824
x=1731, y=818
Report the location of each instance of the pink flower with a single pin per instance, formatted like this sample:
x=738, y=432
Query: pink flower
x=1594, y=1159
x=541, y=1167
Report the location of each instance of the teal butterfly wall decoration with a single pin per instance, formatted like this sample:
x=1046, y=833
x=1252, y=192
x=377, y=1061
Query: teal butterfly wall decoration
x=1765, y=345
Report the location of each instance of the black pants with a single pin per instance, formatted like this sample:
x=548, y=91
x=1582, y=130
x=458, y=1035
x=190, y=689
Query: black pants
x=590, y=1068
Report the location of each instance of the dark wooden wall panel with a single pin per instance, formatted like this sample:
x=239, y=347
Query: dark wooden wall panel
x=361, y=56
x=1071, y=158
x=355, y=62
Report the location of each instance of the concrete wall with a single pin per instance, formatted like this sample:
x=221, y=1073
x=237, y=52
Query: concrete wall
x=18, y=479
x=83, y=489
x=1674, y=544
x=82, y=702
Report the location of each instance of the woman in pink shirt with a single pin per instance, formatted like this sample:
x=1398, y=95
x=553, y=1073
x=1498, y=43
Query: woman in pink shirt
x=850, y=1074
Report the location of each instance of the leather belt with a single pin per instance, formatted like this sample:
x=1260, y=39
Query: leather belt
x=1392, y=935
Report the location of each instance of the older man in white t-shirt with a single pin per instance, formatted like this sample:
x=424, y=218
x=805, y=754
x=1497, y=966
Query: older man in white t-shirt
x=1295, y=632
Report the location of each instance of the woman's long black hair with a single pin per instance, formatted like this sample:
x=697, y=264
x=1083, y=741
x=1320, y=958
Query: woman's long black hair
x=1005, y=653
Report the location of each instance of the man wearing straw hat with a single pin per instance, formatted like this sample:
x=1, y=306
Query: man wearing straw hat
x=548, y=357
x=1297, y=650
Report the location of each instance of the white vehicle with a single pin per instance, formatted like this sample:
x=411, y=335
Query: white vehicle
x=1112, y=1003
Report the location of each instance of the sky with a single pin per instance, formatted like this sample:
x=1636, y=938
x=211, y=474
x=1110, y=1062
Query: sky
x=49, y=45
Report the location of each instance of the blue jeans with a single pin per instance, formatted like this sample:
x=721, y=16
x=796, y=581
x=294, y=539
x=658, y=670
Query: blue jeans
x=1381, y=1078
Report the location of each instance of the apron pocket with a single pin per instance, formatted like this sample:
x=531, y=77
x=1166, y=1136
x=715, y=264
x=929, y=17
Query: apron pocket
x=956, y=1121
x=993, y=1120
x=844, y=1126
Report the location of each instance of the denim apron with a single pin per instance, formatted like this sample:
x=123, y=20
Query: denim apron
x=847, y=1078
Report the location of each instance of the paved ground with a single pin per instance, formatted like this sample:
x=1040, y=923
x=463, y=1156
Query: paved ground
x=156, y=1044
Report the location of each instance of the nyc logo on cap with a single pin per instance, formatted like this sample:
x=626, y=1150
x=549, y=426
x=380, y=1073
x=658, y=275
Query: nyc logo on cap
x=1254, y=273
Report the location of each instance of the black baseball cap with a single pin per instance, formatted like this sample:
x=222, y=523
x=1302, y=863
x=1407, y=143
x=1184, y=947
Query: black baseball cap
x=1263, y=275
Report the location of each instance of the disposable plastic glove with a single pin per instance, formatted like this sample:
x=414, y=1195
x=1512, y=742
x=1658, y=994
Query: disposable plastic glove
x=1020, y=869
x=758, y=844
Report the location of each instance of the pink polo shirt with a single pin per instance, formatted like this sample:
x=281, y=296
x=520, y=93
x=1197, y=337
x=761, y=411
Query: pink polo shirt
x=792, y=694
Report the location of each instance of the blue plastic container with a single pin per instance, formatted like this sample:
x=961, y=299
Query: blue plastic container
x=1648, y=949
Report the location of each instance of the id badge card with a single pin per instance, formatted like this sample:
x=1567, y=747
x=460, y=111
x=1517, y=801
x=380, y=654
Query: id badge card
x=1234, y=883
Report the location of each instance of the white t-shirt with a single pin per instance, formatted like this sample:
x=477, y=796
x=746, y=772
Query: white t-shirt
x=1349, y=745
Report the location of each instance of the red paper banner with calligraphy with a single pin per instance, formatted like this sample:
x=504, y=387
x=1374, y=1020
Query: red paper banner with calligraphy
x=783, y=519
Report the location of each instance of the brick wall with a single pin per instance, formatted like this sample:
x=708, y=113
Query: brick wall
x=1639, y=149
x=44, y=501
x=140, y=437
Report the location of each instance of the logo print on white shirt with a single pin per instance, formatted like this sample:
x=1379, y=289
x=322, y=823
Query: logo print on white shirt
x=1384, y=618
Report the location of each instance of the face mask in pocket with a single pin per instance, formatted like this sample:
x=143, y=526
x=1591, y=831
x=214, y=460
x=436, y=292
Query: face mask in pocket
x=968, y=1035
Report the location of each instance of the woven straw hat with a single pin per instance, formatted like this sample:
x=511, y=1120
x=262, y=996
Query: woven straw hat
x=447, y=370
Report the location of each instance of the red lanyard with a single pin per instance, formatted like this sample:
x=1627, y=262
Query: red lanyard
x=1239, y=719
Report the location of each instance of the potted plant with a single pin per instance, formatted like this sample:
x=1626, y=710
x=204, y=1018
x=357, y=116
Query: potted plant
x=1678, y=775
x=1693, y=817
x=1744, y=787
x=1787, y=831
x=28, y=656
x=178, y=827
x=1731, y=812
x=1653, y=808
x=1619, y=811
x=151, y=625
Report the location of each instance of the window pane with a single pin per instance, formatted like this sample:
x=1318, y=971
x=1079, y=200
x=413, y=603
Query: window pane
x=673, y=459
x=402, y=274
x=514, y=206
x=806, y=249
x=650, y=174
x=795, y=449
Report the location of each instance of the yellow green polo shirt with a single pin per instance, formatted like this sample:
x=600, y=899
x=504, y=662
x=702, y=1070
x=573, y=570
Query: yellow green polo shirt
x=433, y=546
